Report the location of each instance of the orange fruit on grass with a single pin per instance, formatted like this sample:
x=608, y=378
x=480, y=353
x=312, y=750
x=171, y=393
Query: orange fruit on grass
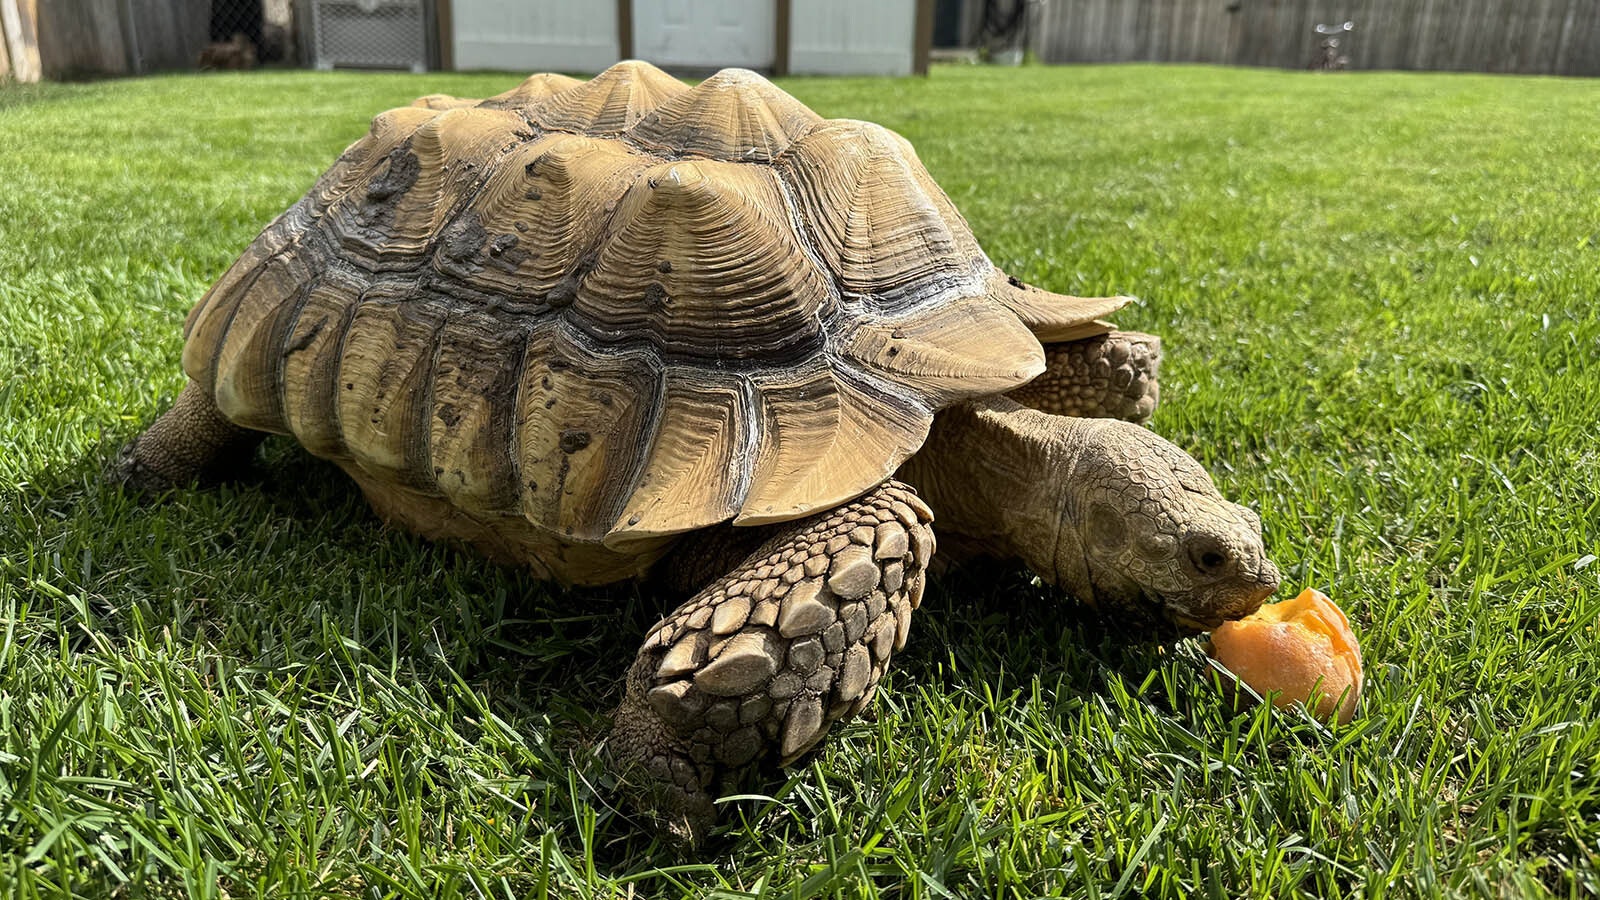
x=1289, y=648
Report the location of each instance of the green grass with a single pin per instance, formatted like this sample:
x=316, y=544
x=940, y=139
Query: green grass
x=1379, y=299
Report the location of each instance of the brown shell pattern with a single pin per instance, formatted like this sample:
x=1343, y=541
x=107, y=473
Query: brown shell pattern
x=619, y=308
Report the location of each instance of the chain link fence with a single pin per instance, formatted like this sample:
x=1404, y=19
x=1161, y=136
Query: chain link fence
x=380, y=34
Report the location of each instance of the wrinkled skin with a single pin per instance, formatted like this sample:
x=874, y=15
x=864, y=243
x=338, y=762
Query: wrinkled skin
x=1106, y=509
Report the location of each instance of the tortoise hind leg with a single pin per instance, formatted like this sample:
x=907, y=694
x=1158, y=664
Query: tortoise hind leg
x=761, y=662
x=1108, y=376
x=190, y=441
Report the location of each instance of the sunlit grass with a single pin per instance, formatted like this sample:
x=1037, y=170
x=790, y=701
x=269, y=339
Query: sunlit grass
x=1378, y=294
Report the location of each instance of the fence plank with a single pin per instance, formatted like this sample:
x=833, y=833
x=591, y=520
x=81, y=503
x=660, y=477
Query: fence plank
x=19, y=19
x=168, y=34
x=82, y=37
x=1528, y=36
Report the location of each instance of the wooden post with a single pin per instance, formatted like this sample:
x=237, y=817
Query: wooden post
x=780, y=40
x=625, y=29
x=923, y=36
x=444, y=27
x=20, y=21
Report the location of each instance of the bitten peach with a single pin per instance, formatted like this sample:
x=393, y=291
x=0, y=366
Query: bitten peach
x=1291, y=647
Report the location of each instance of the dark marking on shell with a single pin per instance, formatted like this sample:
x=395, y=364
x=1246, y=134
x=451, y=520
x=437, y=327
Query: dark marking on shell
x=573, y=440
x=504, y=253
x=404, y=167
x=565, y=291
x=655, y=296
x=305, y=340
x=465, y=238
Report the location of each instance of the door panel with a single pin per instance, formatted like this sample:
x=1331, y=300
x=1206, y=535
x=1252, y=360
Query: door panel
x=849, y=37
x=705, y=34
x=535, y=35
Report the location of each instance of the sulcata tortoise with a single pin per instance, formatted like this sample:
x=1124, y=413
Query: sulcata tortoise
x=627, y=328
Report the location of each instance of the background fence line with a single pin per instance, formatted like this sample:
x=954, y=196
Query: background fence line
x=1549, y=37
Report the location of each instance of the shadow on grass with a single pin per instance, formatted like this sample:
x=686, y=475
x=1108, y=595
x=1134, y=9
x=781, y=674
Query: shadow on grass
x=284, y=572
x=994, y=622
x=285, y=568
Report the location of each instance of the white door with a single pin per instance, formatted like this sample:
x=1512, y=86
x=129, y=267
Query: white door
x=705, y=34
x=849, y=37
x=535, y=35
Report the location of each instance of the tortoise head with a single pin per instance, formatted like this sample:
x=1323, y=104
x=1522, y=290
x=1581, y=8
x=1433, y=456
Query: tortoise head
x=1144, y=530
x=1119, y=517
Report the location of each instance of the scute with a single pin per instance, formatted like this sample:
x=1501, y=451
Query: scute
x=702, y=261
x=616, y=310
x=532, y=90
x=873, y=219
x=611, y=102
x=734, y=115
x=535, y=216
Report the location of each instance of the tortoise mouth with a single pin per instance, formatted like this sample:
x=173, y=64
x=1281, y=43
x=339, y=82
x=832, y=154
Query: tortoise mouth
x=1230, y=607
x=1193, y=624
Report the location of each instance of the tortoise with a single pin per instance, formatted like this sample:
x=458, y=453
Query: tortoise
x=629, y=328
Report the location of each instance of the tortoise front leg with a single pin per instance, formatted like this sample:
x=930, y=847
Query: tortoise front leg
x=1108, y=376
x=760, y=663
x=191, y=440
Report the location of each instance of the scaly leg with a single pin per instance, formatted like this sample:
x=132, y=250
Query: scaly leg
x=189, y=441
x=1109, y=376
x=761, y=662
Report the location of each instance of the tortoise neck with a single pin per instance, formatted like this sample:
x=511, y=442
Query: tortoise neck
x=996, y=472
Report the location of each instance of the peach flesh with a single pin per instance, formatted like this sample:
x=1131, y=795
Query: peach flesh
x=1289, y=648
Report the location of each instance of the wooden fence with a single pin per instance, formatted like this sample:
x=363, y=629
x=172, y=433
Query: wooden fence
x=120, y=37
x=1550, y=37
x=19, y=48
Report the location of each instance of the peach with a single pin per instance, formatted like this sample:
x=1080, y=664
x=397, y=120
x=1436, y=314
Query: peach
x=1288, y=648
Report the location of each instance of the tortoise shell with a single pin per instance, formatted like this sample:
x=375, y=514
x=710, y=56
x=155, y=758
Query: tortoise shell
x=619, y=309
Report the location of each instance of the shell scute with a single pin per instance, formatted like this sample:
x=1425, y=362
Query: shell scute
x=532, y=90
x=735, y=115
x=474, y=412
x=875, y=222
x=385, y=370
x=536, y=214
x=245, y=367
x=311, y=362
x=611, y=102
x=391, y=214
x=694, y=473
x=702, y=261
x=583, y=417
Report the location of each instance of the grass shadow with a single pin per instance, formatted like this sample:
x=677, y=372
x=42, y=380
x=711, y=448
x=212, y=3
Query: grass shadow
x=284, y=573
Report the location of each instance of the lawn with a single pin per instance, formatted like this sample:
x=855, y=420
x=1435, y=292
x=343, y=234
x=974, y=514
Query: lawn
x=1378, y=294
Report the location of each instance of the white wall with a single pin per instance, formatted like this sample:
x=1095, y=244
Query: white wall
x=826, y=37
x=852, y=37
x=535, y=35
x=702, y=34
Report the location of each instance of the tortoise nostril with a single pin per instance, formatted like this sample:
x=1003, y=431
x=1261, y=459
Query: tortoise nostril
x=1209, y=556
